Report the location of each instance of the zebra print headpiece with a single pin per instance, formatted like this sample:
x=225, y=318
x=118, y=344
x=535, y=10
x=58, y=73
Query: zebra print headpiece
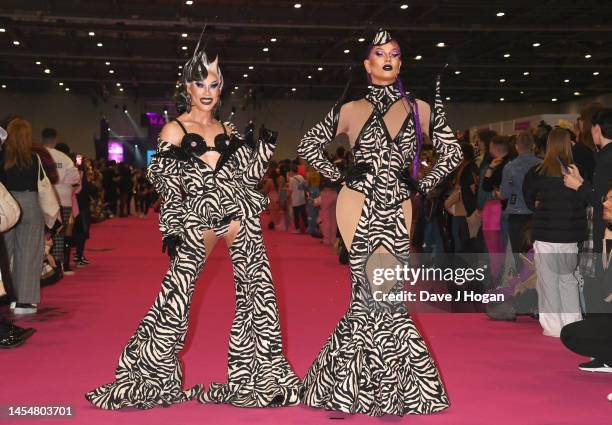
x=198, y=66
x=381, y=37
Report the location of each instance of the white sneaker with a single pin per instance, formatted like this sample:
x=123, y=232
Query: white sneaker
x=25, y=309
x=13, y=304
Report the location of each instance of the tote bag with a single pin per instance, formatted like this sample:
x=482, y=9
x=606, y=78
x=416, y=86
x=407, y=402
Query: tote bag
x=47, y=197
x=9, y=210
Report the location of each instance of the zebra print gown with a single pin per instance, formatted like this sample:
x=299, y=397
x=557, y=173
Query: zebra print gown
x=198, y=198
x=375, y=361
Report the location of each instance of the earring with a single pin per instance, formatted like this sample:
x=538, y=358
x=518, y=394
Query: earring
x=188, y=103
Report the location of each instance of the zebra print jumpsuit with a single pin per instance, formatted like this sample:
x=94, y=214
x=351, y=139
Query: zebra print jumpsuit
x=198, y=198
x=375, y=361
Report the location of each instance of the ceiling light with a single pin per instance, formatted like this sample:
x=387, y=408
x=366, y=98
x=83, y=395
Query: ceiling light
x=16, y=43
x=2, y=30
x=361, y=39
x=37, y=62
x=501, y=99
x=320, y=68
x=107, y=63
x=100, y=44
x=576, y=93
x=251, y=67
x=297, y=5
x=92, y=34
x=245, y=75
x=121, y=89
x=184, y=47
x=536, y=44
x=502, y=80
x=441, y=44
x=189, y=2
x=566, y=80
x=232, y=92
x=418, y=57
x=47, y=71
x=554, y=99
x=118, y=84
x=587, y=56
x=184, y=35
x=506, y=55
x=265, y=49
x=61, y=84
x=310, y=77
x=67, y=89
x=500, y=14
x=235, y=87
x=293, y=89
x=273, y=39
x=3, y=86
x=111, y=71
x=176, y=86
x=179, y=74
x=180, y=66
x=522, y=92
x=526, y=73
x=596, y=73
x=347, y=51
x=457, y=72
x=448, y=98
x=404, y=6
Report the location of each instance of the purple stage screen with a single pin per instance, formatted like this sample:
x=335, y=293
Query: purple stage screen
x=156, y=119
x=115, y=150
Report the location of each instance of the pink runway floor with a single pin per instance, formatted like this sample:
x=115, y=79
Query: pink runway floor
x=495, y=373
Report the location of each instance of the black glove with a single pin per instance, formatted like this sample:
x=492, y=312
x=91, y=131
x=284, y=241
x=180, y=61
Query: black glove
x=170, y=244
x=268, y=136
x=405, y=177
x=358, y=172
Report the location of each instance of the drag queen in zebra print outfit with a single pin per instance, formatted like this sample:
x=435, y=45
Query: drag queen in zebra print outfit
x=209, y=191
x=375, y=361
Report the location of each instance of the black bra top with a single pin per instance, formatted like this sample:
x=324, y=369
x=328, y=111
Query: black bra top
x=195, y=144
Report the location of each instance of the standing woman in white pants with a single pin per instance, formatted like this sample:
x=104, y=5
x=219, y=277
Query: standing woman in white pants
x=559, y=223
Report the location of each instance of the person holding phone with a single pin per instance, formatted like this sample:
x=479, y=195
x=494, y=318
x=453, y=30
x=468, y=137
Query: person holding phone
x=559, y=224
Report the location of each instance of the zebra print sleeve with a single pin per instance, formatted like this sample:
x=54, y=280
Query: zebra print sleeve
x=446, y=145
x=252, y=163
x=312, y=146
x=164, y=173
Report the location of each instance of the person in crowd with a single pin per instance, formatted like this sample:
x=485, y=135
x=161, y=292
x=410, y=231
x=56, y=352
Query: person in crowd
x=511, y=190
x=271, y=190
x=494, y=217
x=20, y=170
x=592, y=337
x=126, y=188
x=111, y=189
x=144, y=194
x=68, y=225
x=461, y=203
x=598, y=288
x=297, y=191
x=584, y=149
x=68, y=178
x=559, y=224
x=327, y=211
x=83, y=219
x=312, y=209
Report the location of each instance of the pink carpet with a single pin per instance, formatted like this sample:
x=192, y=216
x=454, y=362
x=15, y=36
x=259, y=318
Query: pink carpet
x=495, y=373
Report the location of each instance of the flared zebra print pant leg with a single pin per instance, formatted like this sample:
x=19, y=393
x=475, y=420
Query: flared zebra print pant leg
x=258, y=373
x=149, y=373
